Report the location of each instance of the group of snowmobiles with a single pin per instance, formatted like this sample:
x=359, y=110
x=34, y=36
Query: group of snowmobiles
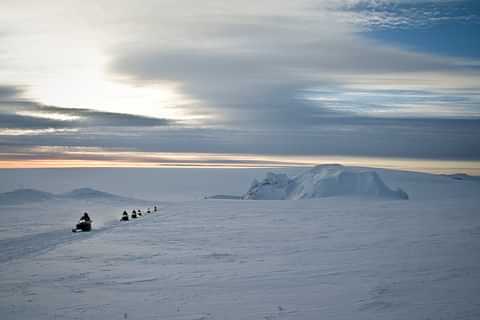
x=85, y=223
x=136, y=214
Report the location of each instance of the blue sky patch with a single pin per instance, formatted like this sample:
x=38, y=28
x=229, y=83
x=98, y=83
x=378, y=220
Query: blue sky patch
x=450, y=28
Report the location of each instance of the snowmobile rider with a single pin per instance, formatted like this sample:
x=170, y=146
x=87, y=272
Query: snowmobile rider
x=85, y=217
x=134, y=214
x=124, y=216
x=85, y=223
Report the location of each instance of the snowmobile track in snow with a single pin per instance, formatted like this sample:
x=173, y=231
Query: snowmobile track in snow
x=16, y=248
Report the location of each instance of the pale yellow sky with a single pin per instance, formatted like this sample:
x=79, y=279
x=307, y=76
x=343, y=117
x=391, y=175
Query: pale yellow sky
x=127, y=159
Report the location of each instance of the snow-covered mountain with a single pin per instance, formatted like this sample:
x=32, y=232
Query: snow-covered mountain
x=224, y=197
x=463, y=176
x=21, y=196
x=24, y=196
x=89, y=194
x=323, y=181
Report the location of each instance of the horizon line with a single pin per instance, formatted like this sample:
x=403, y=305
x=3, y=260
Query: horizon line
x=245, y=161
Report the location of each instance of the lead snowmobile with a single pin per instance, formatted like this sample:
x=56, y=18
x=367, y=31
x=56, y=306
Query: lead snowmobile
x=83, y=225
x=124, y=216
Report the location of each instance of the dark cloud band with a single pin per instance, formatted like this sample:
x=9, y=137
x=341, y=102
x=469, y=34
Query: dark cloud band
x=19, y=113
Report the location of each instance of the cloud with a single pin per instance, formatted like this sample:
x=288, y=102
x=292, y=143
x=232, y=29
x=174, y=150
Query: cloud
x=263, y=77
x=252, y=69
x=22, y=136
x=400, y=102
x=369, y=137
x=12, y=121
x=408, y=14
x=7, y=92
x=19, y=113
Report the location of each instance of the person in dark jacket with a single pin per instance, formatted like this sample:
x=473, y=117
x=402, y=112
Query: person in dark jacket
x=85, y=223
x=124, y=216
x=86, y=217
x=134, y=214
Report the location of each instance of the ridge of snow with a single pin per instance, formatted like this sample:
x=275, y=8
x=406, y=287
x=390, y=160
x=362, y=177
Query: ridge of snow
x=87, y=193
x=21, y=196
x=463, y=176
x=323, y=181
x=24, y=196
x=224, y=197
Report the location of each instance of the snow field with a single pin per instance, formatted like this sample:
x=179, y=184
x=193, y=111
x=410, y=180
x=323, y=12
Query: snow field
x=338, y=257
x=219, y=259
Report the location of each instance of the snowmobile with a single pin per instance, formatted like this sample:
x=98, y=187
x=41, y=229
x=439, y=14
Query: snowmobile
x=83, y=225
x=124, y=216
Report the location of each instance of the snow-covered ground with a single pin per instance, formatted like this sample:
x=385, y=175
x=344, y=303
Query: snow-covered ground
x=329, y=258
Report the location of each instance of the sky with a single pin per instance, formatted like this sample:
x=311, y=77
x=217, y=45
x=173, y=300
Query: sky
x=240, y=83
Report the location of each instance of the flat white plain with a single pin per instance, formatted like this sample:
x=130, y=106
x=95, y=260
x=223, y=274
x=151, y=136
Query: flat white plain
x=331, y=258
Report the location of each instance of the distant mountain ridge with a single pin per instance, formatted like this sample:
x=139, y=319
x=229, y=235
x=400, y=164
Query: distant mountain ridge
x=24, y=196
x=21, y=196
x=88, y=193
x=463, y=176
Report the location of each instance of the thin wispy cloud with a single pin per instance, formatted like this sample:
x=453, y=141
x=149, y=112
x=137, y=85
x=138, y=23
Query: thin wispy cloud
x=408, y=14
x=253, y=68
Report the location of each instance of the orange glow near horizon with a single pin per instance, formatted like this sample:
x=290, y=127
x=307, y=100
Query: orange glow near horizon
x=97, y=158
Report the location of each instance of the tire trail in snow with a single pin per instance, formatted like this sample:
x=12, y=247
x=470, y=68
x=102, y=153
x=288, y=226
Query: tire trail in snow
x=16, y=248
